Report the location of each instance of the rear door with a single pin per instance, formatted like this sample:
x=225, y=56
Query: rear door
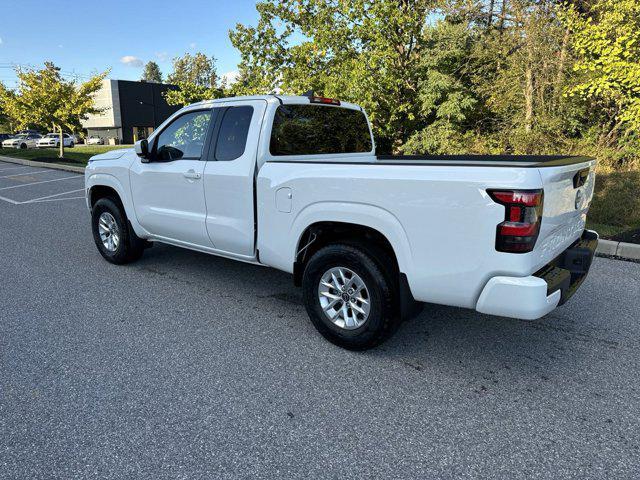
x=568, y=191
x=229, y=177
x=168, y=192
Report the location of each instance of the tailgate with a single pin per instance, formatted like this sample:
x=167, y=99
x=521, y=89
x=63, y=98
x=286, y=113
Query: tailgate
x=568, y=191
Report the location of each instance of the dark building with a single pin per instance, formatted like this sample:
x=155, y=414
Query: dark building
x=132, y=110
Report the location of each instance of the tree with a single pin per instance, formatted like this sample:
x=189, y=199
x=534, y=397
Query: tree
x=196, y=78
x=607, y=43
x=364, y=51
x=447, y=100
x=44, y=98
x=152, y=73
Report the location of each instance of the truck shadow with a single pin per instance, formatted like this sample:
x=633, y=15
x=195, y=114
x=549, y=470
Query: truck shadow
x=440, y=337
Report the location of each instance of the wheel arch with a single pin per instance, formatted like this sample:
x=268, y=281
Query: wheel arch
x=342, y=221
x=371, y=240
x=100, y=185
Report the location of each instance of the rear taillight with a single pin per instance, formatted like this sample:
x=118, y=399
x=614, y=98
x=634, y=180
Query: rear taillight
x=523, y=214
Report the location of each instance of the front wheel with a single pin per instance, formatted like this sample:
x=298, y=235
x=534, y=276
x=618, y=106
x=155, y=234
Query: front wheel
x=71, y=145
x=349, y=297
x=114, y=237
x=23, y=146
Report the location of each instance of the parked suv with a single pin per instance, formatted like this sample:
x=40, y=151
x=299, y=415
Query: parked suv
x=51, y=140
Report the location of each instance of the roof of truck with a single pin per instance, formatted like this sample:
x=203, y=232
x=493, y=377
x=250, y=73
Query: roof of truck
x=273, y=98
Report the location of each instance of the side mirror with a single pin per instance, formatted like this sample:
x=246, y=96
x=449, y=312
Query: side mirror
x=142, y=149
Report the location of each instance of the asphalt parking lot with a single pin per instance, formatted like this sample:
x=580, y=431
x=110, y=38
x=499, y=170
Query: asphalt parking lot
x=185, y=365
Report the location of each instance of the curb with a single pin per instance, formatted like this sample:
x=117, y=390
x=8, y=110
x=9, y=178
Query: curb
x=31, y=163
x=625, y=251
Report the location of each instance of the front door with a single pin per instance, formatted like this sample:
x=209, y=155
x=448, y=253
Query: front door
x=168, y=192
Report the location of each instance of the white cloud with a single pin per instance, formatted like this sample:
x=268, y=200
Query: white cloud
x=192, y=45
x=131, y=61
x=0, y=40
x=230, y=77
x=162, y=56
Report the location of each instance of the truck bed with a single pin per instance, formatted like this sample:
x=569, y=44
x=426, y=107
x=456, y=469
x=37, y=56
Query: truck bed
x=525, y=161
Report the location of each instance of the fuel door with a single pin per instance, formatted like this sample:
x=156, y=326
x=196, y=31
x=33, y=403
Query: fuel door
x=284, y=198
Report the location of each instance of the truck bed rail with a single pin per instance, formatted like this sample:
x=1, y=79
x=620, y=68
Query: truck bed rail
x=527, y=161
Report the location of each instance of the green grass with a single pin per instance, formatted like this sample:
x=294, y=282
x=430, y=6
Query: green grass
x=616, y=203
x=79, y=155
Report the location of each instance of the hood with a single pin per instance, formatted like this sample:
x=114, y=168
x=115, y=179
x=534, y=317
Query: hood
x=111, y=155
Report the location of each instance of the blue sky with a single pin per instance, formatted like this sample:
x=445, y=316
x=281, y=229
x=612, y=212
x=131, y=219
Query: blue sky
x=87, y=36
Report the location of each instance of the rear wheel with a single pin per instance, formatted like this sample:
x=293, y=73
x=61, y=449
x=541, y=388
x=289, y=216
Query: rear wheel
x=349, y=298
x=114, y=237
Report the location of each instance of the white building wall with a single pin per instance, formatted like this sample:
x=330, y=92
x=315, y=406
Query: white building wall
x=106, y=98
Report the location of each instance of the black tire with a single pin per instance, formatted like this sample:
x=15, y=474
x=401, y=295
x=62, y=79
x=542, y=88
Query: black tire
x=23, y=146
x=384, y=315
x=130, y=246
x=71, y=145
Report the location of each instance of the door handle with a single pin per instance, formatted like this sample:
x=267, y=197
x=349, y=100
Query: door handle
x=192, y=174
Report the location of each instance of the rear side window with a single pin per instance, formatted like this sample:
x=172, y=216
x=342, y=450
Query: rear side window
x=317, y=129
x=232, y=138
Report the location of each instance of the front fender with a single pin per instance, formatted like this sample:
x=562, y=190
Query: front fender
x=111, y=181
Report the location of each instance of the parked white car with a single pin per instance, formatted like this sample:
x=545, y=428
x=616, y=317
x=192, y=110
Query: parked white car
x=23, y=140
x=95, y=140
x=294, y=183
x=51, y=140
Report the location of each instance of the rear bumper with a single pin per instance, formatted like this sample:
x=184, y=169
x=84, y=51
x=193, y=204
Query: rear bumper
x=529, y=298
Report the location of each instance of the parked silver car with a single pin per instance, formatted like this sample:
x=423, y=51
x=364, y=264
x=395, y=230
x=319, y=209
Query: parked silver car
x=23, y=140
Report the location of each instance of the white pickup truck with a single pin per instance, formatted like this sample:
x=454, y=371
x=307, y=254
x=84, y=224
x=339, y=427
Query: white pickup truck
x=294, y=183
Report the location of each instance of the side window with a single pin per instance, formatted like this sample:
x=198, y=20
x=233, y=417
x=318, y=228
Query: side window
x=184, y=137
x=234, y=129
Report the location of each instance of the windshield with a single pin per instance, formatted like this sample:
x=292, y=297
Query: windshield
x=51, y=135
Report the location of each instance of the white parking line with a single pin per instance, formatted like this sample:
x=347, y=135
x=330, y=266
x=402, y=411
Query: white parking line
x=10, y=201
x=56, y=199
x=25, y=173
x=34, y=200
x=38, y=183
x=14, y=168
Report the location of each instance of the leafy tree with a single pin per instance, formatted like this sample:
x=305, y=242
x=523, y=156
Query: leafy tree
x=196, y=78
x=446, y=98
x=522, y=71
x=607, y=43
x=44, y=98
x=364, y=51
x=152, y=73
x=453, y=76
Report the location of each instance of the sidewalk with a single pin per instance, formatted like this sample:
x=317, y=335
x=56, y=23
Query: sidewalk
x=31, y=163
